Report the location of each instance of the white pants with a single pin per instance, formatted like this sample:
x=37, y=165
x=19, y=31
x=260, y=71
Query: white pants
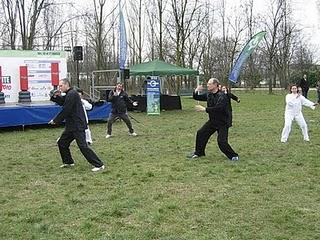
x=288, y=118
x=88, y=135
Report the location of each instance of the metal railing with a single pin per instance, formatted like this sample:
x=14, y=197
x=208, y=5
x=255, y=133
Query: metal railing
x=95, y=90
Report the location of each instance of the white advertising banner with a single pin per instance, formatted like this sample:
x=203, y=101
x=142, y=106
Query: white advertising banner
x=39, y=72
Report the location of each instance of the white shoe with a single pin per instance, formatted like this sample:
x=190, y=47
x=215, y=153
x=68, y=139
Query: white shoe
x=96, y=169
x=235, y=158
x=66, y=165
x=133, y=134
x=108, y=136
x=307, y=140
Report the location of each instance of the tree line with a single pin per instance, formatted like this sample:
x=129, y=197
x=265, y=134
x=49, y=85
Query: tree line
x=206, y=35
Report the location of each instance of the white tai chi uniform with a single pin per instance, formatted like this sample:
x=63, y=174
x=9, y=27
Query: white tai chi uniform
x=294, y=104
x=87, y=106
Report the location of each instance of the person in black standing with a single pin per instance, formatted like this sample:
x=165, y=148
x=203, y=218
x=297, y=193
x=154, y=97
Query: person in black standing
x=318, y=90
x=119, y=99
x=75, y=125
x=218, y=120
x=230, y=96
x=304, y=84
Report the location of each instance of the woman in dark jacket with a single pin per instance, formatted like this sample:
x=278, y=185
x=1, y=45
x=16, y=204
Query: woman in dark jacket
x=230, y=96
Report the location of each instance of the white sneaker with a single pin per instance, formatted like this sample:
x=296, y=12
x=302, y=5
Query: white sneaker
x=108, y=136
x=66, y=165
x=96, y=169
x=133, y=134
x=236, y=158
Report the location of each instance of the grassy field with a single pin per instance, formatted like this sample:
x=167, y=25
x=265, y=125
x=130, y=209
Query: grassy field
x=151, y=191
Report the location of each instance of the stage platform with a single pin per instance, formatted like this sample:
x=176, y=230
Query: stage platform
x=38, y=113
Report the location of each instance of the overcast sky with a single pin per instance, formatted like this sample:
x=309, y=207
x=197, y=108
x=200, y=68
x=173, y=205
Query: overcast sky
x=305, y=12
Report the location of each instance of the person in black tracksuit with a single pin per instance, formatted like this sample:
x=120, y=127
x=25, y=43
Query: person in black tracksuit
x=75, y=125
x=230, y=96
x=217, y=108
x=119, y=99
x=304, y=84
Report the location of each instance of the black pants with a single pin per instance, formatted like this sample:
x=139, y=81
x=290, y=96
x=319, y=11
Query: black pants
x=305, y=92
x=64, y=143
x=203, y=135
x=123, y=116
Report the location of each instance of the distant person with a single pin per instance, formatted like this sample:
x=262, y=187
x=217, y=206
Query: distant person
x=318, y=91
x=119, y=99
x=75, y=126
x=294, y=102
x=230, y=96
x=304, y=84
x=86, y=107
x=217, y=108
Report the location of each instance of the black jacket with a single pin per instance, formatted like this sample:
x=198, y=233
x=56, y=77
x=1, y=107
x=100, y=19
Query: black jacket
x=216, y=107
x=119, y=102
x=229, y=106
x=304, y=84
x=72, y=112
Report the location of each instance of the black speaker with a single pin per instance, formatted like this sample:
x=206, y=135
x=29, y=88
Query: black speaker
x=77, y=53
x=126, y=73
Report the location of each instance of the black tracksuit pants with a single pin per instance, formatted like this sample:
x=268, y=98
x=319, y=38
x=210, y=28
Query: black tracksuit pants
x=205, y=132
x=64, y=148
x=123, y=116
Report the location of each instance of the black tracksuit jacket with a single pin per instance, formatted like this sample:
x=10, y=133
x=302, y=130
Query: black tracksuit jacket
x=217, y=107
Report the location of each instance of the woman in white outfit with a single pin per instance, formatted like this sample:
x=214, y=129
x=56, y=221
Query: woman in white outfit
x=294, y=102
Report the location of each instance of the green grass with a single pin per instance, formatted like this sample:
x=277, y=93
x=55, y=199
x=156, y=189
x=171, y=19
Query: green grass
x=150, y=190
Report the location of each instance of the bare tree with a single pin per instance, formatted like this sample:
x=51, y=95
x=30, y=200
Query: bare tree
x=55, y=25
x=207, y=60
x=273, y=24
x=135, y=15
x=285, y=47
x=28, y=20
x=183, y=25
x=97, y=31
x=10, y=9
x=155, y=13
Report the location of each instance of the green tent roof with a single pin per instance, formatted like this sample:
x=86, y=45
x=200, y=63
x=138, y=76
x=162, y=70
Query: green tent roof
x=160, y=68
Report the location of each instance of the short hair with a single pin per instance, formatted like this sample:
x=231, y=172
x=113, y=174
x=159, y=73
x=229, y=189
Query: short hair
x=66, y=81
x=214, y=80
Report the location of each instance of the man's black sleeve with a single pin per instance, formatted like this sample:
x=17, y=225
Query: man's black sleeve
x=233, y=97
x=126, y=98
x=200, y=97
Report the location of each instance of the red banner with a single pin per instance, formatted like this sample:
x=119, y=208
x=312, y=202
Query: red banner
x=0, y=79
x=55, y=74
x=24, y=78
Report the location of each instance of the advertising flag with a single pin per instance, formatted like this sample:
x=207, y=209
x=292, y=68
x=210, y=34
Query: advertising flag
x=245, y=53
x=153, y=96
x=122, y=42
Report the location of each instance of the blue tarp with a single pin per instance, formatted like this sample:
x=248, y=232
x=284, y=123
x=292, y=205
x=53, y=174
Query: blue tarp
x=33, y=114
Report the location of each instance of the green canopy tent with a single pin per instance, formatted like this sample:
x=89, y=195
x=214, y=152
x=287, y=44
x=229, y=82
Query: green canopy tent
x=160, y=68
